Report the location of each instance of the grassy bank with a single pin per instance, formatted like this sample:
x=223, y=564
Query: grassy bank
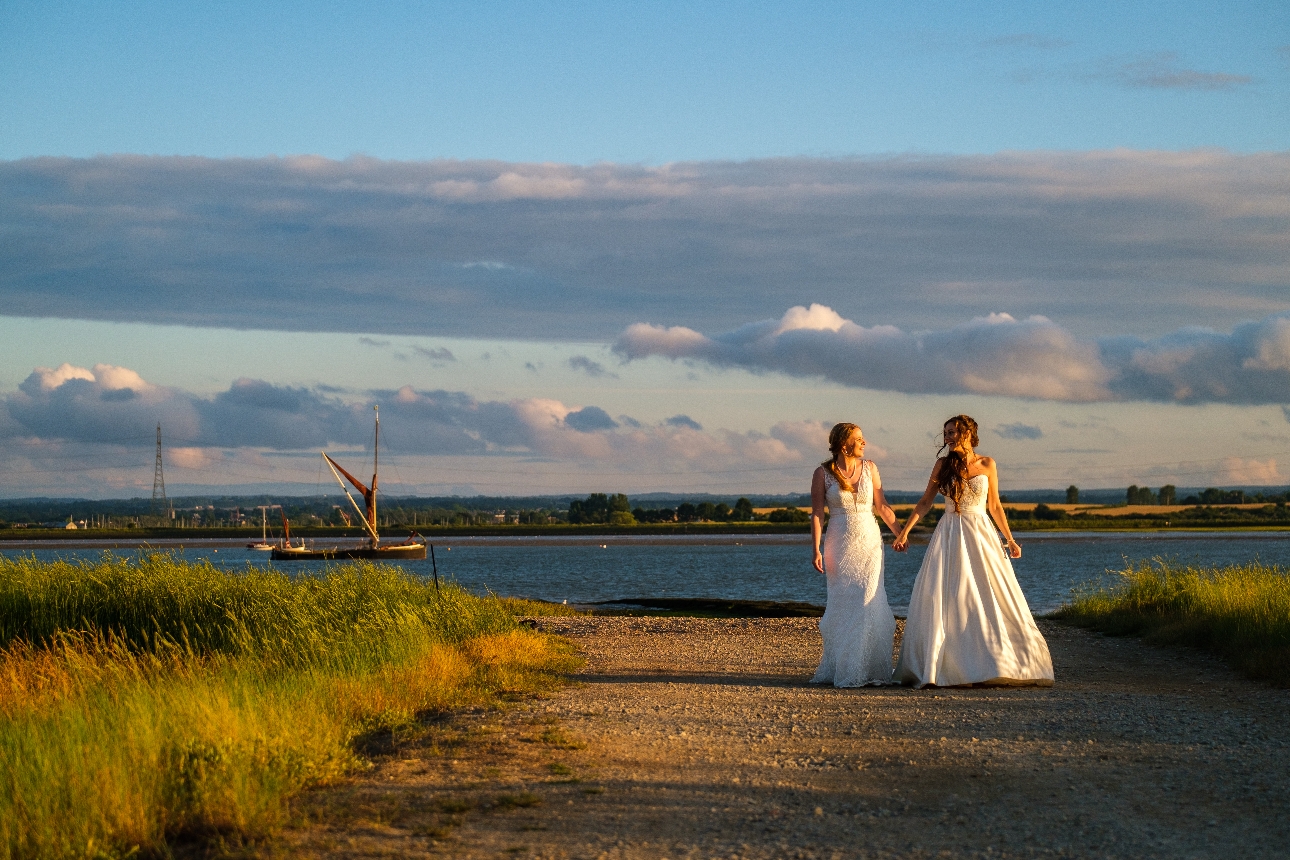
x=145, y=702
x=1240, y=612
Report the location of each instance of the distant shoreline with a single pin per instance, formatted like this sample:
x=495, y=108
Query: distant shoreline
x=163, y=540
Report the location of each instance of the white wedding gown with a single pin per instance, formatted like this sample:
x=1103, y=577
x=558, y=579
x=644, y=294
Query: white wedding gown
x=968, y=620
x=858, y=627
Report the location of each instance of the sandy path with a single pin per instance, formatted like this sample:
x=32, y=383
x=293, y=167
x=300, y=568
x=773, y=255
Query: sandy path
x=700, y=738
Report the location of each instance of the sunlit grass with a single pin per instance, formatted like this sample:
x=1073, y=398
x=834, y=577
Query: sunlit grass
x=1241, y=612
x=143, y=701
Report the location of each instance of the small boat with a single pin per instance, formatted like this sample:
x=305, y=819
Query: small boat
x=263, y=545
x=412, y=548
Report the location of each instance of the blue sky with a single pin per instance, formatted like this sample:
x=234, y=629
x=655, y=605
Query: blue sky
x=639, y=83
x=590, y=247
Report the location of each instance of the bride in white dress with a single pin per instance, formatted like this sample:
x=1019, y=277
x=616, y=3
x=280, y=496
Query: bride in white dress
x=858, y=628
x=968, y=620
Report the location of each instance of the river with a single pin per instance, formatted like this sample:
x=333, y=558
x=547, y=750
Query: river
x=585, y=570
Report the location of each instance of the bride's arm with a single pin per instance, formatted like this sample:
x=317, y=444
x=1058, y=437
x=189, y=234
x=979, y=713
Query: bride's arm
x=880, y=499
x=817, y=517
x=995, y=507
x=920, y=510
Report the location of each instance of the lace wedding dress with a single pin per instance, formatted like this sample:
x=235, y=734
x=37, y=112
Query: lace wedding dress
x=857, y=627
x=968, y=620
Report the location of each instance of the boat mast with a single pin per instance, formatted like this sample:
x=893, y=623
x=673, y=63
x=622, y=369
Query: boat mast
x=376, y=455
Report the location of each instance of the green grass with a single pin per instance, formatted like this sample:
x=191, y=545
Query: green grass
x=1240, y=612
x=144, y=702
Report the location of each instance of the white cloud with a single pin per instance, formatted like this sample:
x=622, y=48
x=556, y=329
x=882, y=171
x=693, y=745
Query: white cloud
x=1237, y=470
x=47, y=379
x=74, y=406
x=988, y=355
x=994, y=355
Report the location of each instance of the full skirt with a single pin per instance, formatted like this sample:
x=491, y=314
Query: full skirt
x=968, y=621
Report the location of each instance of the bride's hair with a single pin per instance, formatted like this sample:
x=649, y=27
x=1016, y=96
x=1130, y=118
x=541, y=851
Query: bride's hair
x=837, y=438
x=953, y=477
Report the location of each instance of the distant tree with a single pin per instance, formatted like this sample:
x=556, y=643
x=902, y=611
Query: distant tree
x=686, y=512
x=706, y=511
x=1215, y=496
x=1043, y=512
x=621, y=518
x=743, y=511
x=789, y=515
x=721, y=511
x=1140, y=495
x=657, y=515
x=594, y=509
x=1168, y=495
x=1072, y=495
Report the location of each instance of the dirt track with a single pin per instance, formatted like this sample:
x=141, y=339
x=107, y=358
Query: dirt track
x=701, y=738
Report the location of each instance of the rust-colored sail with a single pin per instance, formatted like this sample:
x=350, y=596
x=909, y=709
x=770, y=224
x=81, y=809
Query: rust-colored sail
x=369, y=496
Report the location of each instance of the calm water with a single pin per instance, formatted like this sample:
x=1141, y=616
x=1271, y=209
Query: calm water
x=768, y=567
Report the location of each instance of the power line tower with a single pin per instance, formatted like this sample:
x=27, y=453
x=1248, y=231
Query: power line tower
x=160, y=503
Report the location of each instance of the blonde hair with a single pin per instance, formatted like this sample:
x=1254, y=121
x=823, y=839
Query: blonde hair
x=837, y=438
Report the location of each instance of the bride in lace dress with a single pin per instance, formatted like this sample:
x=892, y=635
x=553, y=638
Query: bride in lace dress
x=857, y=627
x=968, y=620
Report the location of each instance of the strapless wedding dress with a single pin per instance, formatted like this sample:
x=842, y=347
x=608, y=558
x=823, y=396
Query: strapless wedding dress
x=858, y=628
x=968, y=620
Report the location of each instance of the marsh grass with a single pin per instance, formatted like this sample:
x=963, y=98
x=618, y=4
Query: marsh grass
x=152, y=700
x=1240, y=612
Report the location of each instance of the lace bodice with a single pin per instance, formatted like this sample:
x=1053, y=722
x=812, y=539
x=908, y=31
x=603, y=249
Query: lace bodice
x=974, y=496
x=843, y=503
x=857, y=626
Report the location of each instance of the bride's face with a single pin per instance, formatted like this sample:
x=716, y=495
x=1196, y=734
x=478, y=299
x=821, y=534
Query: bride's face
x=854, y=446
x=951, y=434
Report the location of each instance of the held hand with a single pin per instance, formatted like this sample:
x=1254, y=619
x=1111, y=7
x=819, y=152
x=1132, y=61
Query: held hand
x=818, y=562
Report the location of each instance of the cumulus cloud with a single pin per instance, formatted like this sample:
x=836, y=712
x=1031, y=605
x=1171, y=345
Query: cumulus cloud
x=103, y=404
x=1238, y=470
x=988, y=355
x=497, y=249
x=994, y=355
x=72, y=404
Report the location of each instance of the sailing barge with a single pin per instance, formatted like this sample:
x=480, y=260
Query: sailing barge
x=412, y=548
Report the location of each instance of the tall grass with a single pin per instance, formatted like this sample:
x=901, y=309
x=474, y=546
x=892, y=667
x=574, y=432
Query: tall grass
x=1241, y=612
x=143, y=701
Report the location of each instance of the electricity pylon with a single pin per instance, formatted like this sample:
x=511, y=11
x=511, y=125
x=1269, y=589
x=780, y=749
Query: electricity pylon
x=160, y=504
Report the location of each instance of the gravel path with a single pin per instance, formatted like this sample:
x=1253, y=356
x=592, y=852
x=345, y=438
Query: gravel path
x=700, y=738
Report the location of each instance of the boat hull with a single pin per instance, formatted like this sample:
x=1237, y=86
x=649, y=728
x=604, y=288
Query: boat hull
x=397, y=552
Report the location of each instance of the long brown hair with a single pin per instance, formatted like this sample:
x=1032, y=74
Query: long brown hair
x=953, y=477
x=837, y=438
